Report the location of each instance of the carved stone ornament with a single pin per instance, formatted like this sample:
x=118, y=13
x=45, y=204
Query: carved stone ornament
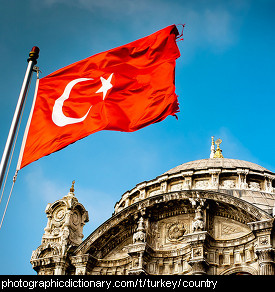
x=66, y=218
x=59, y=214
x=229, y=184
x=254, y=186
x=198, y=223
x=202, y=184
x=264, y=240
x=175, y=232
x=140, y=234
x=164, y=227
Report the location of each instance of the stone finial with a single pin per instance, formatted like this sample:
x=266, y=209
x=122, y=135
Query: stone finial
x=140, y=234
x=212, y=149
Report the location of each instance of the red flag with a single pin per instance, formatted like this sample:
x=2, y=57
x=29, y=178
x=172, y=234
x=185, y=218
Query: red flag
x=123, y=89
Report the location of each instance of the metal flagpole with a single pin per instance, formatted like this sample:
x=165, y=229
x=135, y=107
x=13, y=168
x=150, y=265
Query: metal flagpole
x=32, y=60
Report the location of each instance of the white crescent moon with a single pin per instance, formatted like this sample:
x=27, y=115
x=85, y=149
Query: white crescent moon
x=58, y=116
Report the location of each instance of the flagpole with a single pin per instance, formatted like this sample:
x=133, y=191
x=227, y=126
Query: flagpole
x=32, y=60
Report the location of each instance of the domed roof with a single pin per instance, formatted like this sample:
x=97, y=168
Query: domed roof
x=238, y=178
x=204, y=164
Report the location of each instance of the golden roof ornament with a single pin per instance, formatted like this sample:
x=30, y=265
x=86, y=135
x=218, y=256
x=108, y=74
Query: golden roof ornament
x=218, y=152
x=72, y=187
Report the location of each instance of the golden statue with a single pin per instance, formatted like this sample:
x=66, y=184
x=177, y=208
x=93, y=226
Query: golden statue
x=72, y=187
x=218, y=152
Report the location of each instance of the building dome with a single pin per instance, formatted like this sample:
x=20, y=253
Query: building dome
x=210, y=216
x=225, y=163
x=242, y=179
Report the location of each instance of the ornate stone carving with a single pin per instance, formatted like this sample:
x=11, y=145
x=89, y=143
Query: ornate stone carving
x=198, y=223
x=140, y=234
x=187, y=183
x=254, y=186
x=175, y=232
x=264, y=240
x=82, y=263
x=199, y=267
x=66, y=218
x=163, y=234
x=201, y=184
x=176, y=187
x=229, y=184
x=266, y=261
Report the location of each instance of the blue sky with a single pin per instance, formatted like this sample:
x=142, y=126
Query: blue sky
x=224, y=80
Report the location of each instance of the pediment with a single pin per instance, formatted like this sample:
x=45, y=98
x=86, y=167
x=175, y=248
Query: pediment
x=227, y=229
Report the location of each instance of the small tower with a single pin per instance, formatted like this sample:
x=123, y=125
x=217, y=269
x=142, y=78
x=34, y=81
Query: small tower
x=66, y=218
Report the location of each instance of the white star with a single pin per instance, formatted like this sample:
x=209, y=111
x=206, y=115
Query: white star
x=106, y=85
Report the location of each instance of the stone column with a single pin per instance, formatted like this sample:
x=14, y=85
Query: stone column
x=266, y=261
x=264, y=245
x=187, y=180
x=242, y=184
x=215, y=174
x=268, y=184
x=163, y=184
x=198, y=260
x=199, y=267
x=60, y=265
x=199, y=237
x=83, y=263
x=139, y=250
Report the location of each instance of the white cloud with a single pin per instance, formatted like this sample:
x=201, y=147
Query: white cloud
x=234, y=148
x=219, y=28
x=99, y=205
x=38, y=185
x=214, y=25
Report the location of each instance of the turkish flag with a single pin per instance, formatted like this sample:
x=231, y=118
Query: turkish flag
x=123, y=89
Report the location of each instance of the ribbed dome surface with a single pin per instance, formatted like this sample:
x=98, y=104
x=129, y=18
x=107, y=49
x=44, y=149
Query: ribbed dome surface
x=218, y=163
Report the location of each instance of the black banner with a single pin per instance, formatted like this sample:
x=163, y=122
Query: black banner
x=109, y=283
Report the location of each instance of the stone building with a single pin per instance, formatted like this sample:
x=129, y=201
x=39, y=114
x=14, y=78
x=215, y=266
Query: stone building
x=212, y=216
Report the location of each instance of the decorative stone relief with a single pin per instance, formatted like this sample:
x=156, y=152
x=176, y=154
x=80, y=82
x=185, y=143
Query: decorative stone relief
x=197, y=252
x=201, y=184
x=264, y=240
x=226, y=229
x=254, y=186
x=229, y=184
x=176, y=187
x=175, y=232
x=154, y=192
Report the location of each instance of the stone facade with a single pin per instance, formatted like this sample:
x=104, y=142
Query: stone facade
x=66, y=218
x=212, y=216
